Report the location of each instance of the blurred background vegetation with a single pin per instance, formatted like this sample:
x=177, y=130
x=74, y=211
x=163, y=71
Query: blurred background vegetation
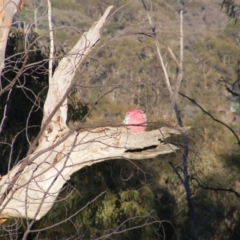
x=125, y=64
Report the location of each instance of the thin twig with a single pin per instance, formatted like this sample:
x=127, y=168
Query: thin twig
x=211, y=116
x=216, y=189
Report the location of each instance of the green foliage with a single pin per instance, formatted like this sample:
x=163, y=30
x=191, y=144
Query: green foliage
x=232, y=9
x=126, y=204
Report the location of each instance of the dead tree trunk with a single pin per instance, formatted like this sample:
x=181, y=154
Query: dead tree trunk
x=30, y=189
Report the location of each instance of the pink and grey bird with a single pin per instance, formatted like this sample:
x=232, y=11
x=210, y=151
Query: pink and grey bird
x=136, y=121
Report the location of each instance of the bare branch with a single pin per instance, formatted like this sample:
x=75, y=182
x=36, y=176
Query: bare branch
x=50, y=64
x=30, y=189
x=212, y=117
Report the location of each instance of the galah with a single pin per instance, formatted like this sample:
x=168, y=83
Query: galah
x=136, y=121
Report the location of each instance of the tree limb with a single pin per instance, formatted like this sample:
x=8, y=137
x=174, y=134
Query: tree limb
x=30, y=189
